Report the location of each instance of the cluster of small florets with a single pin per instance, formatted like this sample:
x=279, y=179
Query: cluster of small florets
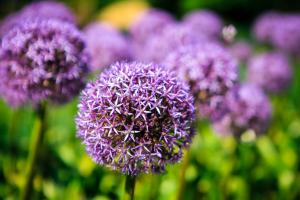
x=209, y=70
x=135, y=118
x=247, y=108
x=106, y=45
x=271, y=71
x=172, y=37
x=280, y=30
x=40, y=60
x=44, y=9
x=204, y=22
x=150, y=23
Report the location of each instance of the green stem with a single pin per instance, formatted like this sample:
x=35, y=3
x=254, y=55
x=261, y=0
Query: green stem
x=129, y=187
x=12, y=140
x=181, y=178
x=35, y=147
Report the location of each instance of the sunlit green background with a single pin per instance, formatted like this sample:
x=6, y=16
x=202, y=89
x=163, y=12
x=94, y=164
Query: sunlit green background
x=219, y=168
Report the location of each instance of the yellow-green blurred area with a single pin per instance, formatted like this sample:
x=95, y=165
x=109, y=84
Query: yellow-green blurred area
x=266, y=167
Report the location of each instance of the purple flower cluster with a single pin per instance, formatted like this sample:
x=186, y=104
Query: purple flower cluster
x=160, y=45
x=106, y=45
x=271, y=71
x=210, y=71
x=280, y=30
x=241, y=50
x=135, y=118
x=265, y=25
x=48, y=9
x=150, y=23
x=44, y=9
x=247, y=107
x=204, y=22
x=40, y=60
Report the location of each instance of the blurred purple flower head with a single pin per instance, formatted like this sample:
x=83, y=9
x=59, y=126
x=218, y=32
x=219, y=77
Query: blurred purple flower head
x=241, y=50
x=280, y=30
x=151, y=22
x=271, y=71
x=48, y=9
x=204, y=22
x=160, y=45
x=41, y=60
x=247, y=108
x=265, y=25
x=210, y=71
x=286, y=35
x=135, y=118
x=43, y=9
x=106, y=45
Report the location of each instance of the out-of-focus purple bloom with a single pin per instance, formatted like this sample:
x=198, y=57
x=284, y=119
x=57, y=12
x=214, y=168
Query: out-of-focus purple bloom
x=150, y=23
x=210, y=71
x=41, y=60
x=106, y=45
x=48, y=9
x=286, y=35
x=241, y=50
x=271, y=71
x=247, y=108
x=160, y=45
x=204, y=22
x=135, y=118
x=44, y=9
x=265, y=25
x=280, y=30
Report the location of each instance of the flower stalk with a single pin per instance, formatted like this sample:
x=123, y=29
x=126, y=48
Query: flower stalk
x=129, y=187
x=38, y=134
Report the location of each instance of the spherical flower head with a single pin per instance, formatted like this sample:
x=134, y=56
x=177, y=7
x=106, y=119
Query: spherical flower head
x=44, y=9
x=41, y=60
x=106, y=45
x=265, y=25
x=204, y=22
x=172, y=37
x=151, y=22
x=271, y=71
x=210, y=71
x=248, y=108
x=241, y=50
x=286, y=35
x=135, y=118
x=48, y=9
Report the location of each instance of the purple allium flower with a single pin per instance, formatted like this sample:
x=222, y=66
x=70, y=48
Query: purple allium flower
x=172, y=37
x=106, y=45
x=48, y=9
x=280, y=30
x=135, y=118
x=210, y=71
x=150, y=23
x=204, y=22
x=271, y=71
x=41, y=60
x=44, y=9
x=264, y=26
x=286, y=35
x=247, y=108
x=241, y=50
